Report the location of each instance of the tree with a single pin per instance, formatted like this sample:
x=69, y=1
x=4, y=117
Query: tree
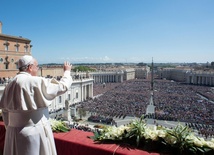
x=83, y=69
x=141, y=64
x=81, y=112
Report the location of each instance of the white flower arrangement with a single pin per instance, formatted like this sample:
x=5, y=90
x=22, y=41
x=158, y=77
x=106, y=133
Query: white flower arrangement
x=58, y=126
x=153, y=133
x=181, y=137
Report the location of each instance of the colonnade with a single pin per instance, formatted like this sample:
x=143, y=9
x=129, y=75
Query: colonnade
x=107, y=77
x=86, y=91
x=201, y=80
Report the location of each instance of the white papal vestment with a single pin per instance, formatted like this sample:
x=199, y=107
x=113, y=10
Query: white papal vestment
x=25, y=104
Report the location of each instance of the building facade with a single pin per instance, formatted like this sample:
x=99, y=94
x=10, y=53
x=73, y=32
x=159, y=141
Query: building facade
x=79, y=91
x=188, y=76
x=176, y=74
x=107, y=77
x=11, y=49
x=142, y=72
x=200, y=78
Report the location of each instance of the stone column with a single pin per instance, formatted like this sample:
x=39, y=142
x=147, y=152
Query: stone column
x=67, y=113
x=85, y=96
x=81, y=92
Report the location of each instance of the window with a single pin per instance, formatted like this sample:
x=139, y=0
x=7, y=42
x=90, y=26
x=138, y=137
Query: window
x=76, y=94
x=17, y=47
x=60, y=99
x=17, y=67
x=6, y=65
x=1, y=60
x=26, y=48
x=6, y=45
x=69, y=96
x=6, y=48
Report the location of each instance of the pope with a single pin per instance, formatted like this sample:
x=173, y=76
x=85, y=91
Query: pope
x=24, y=105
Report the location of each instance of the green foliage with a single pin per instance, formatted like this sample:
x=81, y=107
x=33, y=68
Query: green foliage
x=83, y=69
x=81, y=112
x=180, y=135
x=179, y=140
x=141, y=64
x=58, y=126
x=137, y=130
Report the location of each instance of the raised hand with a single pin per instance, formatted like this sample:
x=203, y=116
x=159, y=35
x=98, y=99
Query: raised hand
x=67, y=66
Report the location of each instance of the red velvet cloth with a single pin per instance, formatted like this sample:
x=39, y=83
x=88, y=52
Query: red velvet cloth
x=2, y=135
x=76, y=142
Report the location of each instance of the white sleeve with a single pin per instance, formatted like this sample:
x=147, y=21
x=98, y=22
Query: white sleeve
x=51, y=87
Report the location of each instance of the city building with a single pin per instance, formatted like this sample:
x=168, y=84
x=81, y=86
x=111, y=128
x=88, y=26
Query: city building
x=108, y=76
x=11, y=49
x=176, y=74
x=187, y=75
x=79, y=91
x=142, y=72
x=200, y=78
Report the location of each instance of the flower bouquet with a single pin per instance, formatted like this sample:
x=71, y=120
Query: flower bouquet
x=58, y=126
x=179, y=140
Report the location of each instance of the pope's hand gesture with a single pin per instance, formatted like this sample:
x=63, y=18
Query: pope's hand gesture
x=67, y=66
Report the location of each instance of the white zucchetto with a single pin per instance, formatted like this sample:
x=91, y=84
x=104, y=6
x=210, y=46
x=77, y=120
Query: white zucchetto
x=24, y=61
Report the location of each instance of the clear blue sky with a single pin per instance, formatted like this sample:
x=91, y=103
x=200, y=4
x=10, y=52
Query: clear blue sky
x=113, y=30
